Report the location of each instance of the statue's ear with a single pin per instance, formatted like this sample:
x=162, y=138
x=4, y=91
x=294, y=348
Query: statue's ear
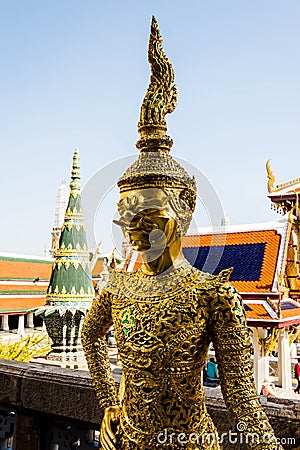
x=188, y=196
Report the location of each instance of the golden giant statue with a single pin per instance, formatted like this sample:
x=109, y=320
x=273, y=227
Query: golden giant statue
x=166, y=313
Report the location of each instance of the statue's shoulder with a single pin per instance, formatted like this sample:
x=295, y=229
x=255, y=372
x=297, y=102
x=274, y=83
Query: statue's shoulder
x=115, y=280
x=135, y=283
x=207, y=281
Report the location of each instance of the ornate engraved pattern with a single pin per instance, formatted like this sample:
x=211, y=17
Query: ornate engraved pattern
x=93, y=339
x=163, y=340
x=161, y=96
x=155, y=167
x=164, y=324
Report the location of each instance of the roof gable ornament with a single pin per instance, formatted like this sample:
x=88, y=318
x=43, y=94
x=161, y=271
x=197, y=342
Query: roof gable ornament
x=284, y=196
x=271, y=178
x=290, y=187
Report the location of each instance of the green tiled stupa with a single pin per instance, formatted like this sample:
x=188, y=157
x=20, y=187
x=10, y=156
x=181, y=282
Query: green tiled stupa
x=70, y=292
x=71, y=279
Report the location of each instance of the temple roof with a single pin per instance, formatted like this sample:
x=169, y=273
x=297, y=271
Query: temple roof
x=23, y=281
x=287, y=188
x=24, y=267
x=20, y=304
x=266, y=312
x=283, y=196
x=253, y=254
x=257, y=253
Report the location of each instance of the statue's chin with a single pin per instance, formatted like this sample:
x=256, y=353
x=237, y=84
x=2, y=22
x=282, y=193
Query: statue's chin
x=152, y=255
x=154, y=247
x=140, y=246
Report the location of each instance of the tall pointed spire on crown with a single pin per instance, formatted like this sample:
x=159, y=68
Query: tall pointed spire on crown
x=71, y=280
x=155, y=167
x=160, y=98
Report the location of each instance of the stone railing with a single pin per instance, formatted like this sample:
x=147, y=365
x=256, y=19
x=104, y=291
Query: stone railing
x=44, y=407
x=283, y=414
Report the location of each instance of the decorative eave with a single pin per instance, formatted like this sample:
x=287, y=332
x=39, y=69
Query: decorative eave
x=261, y=296
x=272, y=313
x=272, y=323
x=283, y=203
x=283, y=196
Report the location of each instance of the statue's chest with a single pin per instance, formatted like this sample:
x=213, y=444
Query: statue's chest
x=157, y=315
x=170, y=325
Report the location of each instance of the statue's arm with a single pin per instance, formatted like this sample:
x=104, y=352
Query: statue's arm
x=93, y=336
x=232, y=344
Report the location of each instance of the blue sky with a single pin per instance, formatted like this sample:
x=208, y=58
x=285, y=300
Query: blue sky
x=74, y=73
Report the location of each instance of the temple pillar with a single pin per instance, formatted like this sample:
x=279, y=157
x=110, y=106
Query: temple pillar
x=28, y=436
x=21, y=323
x=261, y=359
x=29, y=320
x=3, y=444
x=4, y=323
x=284, y=360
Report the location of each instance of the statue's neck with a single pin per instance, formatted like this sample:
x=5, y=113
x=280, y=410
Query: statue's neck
x=157, y=262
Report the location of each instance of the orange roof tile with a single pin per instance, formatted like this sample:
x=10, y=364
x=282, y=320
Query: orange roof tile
x=257, y=311
x=24, y=269
x=98, y=267
x=22, y=288
x=17, y=304
x=291, y=313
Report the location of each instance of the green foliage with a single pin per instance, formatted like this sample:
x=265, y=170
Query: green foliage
x=33, y=346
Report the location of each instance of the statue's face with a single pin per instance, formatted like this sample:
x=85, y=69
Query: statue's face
x=147, y=219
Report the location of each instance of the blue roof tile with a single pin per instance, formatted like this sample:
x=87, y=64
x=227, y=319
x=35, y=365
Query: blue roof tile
x=246, y=259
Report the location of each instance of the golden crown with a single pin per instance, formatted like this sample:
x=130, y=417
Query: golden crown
x=155, y=167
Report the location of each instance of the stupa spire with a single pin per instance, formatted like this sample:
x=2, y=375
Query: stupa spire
x=71, y=278
x=75, y=185
x=70, y=292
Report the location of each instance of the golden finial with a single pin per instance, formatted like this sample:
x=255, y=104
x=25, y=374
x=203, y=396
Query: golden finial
x=271, y=178
x=112, y=261
x=160, y=98
x=75, y=174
